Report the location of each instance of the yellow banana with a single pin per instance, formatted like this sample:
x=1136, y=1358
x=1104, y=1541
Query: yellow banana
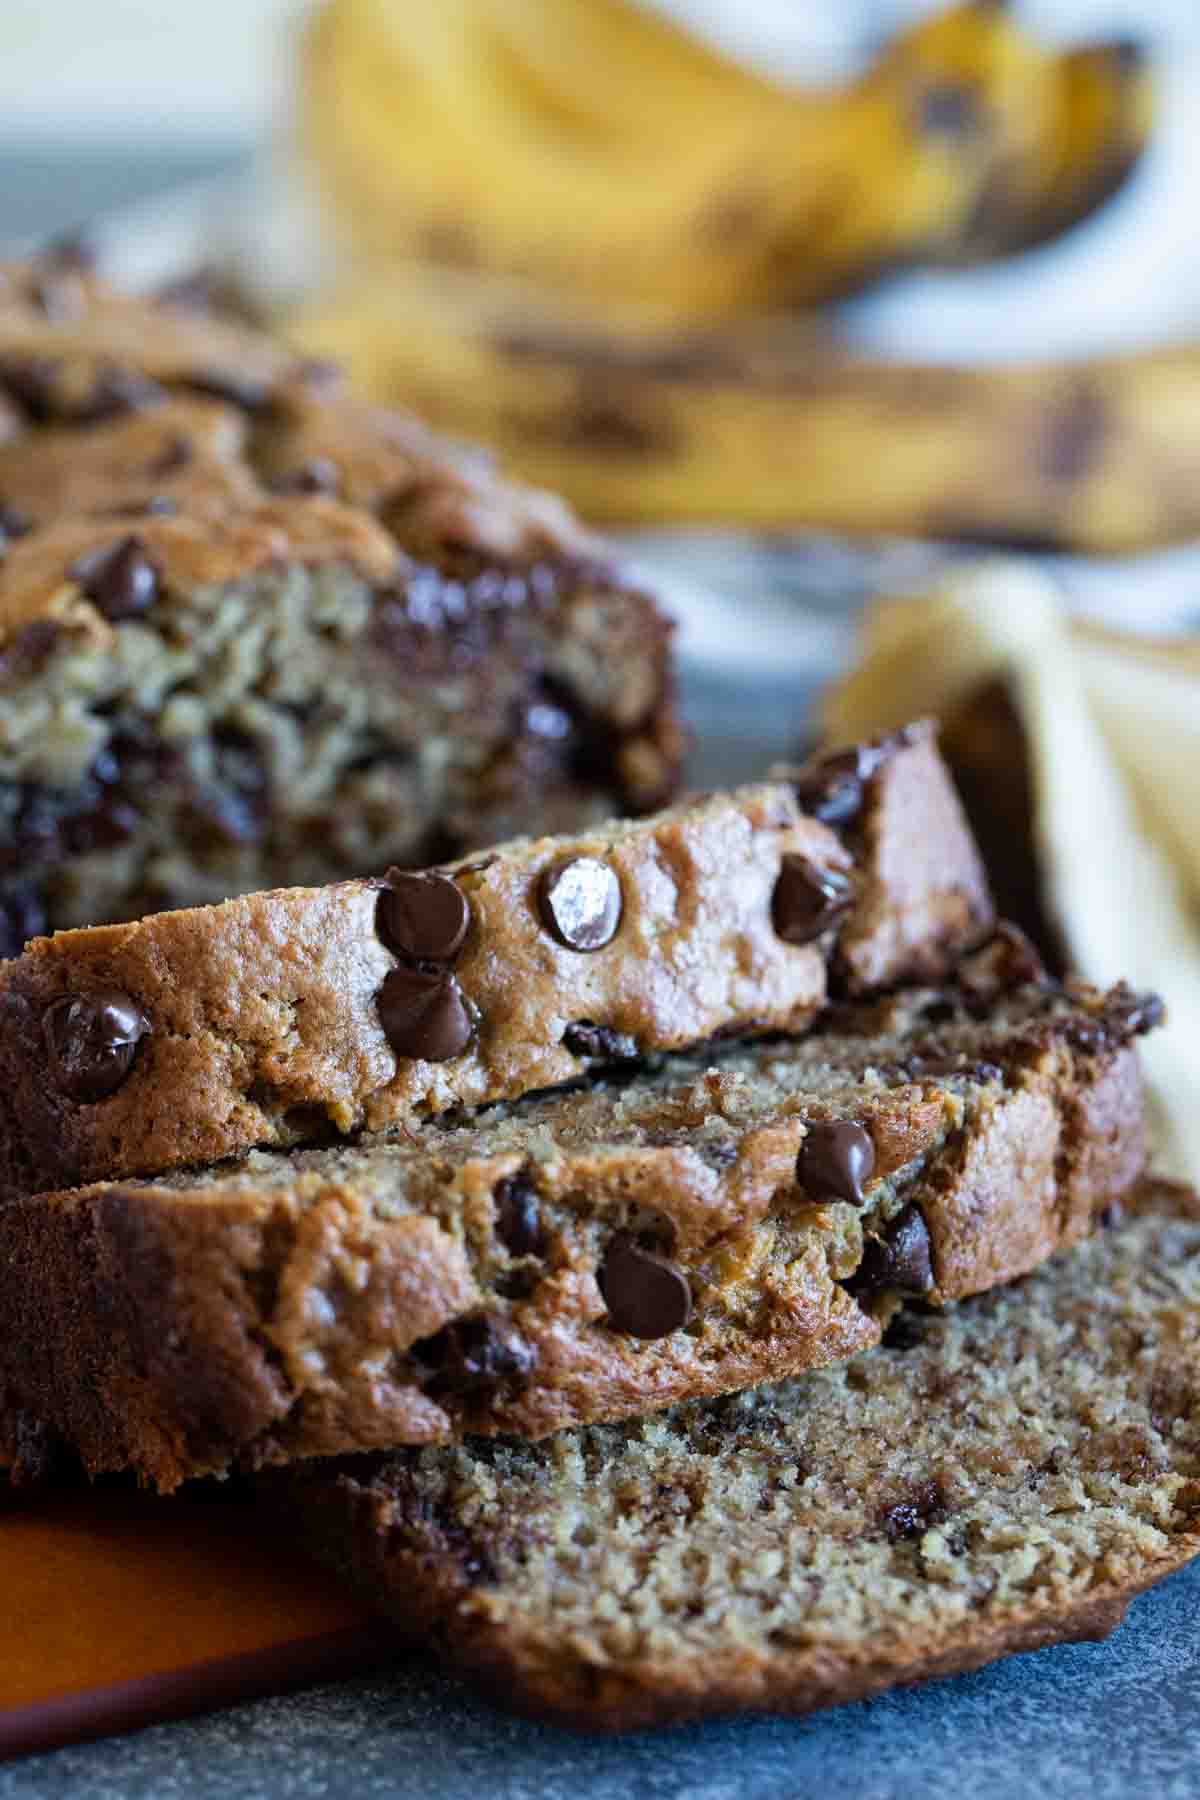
x=594, y=147
x=770, y=425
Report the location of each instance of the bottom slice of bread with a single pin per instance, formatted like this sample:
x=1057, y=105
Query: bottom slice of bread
x=995, y=1477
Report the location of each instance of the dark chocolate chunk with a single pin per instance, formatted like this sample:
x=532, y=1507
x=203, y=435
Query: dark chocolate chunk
x=836, y=1157
x=475, y=1356
x=831, y=788
x=22, y=916
x=423, y=1014
x=121, y=581
x=808, y=899
x=901, y=1263
x=426, y=917
x=91, y=1040
x=582, y=1038
x=580, y=902
x=319, y=475
x=175, y=455
x=912, y=1518
x=234, y=386
x=518, y=1216
x=646, y=1294
x=32, y=382
x=114, y=392
x=13, y=523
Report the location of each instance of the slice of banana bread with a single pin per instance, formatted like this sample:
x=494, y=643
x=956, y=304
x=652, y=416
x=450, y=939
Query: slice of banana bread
x=997, y=1477
x=587, y=1254
x=254, y=633
x=279, y=1017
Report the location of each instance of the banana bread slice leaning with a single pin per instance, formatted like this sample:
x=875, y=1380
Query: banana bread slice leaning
x=279, y=1017
x=997, y=1477
x=588, y=1254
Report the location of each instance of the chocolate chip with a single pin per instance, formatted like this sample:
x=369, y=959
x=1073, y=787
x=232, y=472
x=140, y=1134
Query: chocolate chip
x=475, y=1356
x=518, y=1216
x=913, y=1517
x=319, y=475
x=237, y=388
x=831, y=788
x=423, y=1014
x=175, y=455
x=22, y=916
x=92, y=1040
x=808, y=899
x=580, y=902
x=117, y=391
x=901, y=1263
x=426, y=916
x=121, y=581
x=32, y=382
x=836, y=1157
x=582, y=1038
x=13, y=523
x=646, y=1294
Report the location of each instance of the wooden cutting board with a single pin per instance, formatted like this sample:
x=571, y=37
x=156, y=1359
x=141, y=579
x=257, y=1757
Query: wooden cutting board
x=118, y=1609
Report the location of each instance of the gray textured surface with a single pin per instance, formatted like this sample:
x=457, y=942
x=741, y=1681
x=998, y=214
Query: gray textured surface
x=1083, y=1722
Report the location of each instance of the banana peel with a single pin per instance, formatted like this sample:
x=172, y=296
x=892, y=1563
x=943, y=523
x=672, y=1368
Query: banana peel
x=1109, y=728
x=772, y=425
x=597, y=149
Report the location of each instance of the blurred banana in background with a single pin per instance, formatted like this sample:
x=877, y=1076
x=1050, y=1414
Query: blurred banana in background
x=772, y=426
x=572, y=231
x=596, y=147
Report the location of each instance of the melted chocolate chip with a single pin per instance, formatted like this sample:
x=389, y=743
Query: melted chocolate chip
x=13, y=523
x=835, y=1159
x=22, y=916
x=647, y=1295
x=582, y=1038
x=32, y=382
x=832, y=788
x=175, y=455
x=424, y=1014
x=518, y=1216
x=475, y=1356
x=121, y=581
x=425, y=917
x=91, y=1040
x=808, y=899
x=580, y=902
x=117, y=391
x=901, y=1263
x=319, y=475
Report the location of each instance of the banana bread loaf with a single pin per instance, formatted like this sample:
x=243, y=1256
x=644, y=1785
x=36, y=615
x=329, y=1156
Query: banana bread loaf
x=255, y=633
x=996, y=1477
x=595, y=1253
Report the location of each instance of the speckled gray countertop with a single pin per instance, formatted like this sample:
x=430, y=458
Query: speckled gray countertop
x=1081, y=1722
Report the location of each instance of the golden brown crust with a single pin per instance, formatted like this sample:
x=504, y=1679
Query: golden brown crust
x=263, y=1013
x=1056, y=1423
x=308, y=1304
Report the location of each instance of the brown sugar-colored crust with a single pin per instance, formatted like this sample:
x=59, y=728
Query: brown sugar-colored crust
x=1000, y=1477
x=596, y=1253
x=267, y=1019
x=344, y=645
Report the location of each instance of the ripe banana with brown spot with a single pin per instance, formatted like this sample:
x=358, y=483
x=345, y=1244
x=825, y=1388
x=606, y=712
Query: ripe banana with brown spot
x=773, y=426
x=593, y=147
